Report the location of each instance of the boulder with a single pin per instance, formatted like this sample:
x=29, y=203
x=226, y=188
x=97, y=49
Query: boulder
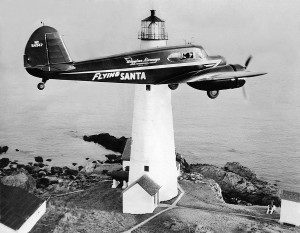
x=42, y=182
x=107, y=141
x=39, y=159
x=3, y=149
x=56, y=170
x=89, y=167
x=20, y=179
x=237, y=168
x=4, y=162
x=237, y=188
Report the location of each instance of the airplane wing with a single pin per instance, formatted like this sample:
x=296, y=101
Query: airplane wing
x=217, y=73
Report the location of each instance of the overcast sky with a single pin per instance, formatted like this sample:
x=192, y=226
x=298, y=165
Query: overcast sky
x=269, y=30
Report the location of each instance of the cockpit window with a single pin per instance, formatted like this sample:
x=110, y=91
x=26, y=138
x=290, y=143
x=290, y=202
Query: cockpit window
x=187, y=55
x=201, y=53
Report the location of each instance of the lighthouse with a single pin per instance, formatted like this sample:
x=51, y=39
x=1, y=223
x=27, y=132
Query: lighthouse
x=152, y=165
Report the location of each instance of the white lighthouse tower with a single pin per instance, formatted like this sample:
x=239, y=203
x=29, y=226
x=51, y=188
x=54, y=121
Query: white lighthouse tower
x=152, y=166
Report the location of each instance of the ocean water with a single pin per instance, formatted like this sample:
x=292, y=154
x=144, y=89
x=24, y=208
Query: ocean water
x=261, y=132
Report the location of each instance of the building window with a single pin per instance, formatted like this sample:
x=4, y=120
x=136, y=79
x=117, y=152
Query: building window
x=146, y=168
x=127, y=168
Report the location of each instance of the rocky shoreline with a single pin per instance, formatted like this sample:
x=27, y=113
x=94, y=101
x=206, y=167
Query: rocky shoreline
x=239, y=184
x=233, y=183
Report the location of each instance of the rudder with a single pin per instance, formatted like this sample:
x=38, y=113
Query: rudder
x=45, y=50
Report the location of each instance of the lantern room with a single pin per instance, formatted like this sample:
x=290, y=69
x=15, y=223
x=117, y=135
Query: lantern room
x=153, y=28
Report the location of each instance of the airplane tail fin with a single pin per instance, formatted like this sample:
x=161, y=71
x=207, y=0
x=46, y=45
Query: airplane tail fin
x=46, y=51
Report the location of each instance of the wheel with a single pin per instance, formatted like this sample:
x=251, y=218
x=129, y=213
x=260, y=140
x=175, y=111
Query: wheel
x=173, y=86
x=41, y=86
x=213, y=94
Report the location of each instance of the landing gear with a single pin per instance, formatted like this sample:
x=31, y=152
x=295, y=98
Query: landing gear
x=213, y=94
x=173, y=86
x=41, y=85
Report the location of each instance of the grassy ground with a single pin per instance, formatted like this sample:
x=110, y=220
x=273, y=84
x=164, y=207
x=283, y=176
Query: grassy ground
x=99, y=209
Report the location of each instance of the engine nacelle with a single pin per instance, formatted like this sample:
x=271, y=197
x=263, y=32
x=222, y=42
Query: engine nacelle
x=173, y=86
x=217, y=84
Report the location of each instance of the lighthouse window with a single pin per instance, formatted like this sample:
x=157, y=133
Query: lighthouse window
x=146, y=168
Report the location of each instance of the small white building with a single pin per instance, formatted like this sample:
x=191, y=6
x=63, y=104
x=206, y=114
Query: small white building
x=19, y=210
x=290, y=208
x=142, y=196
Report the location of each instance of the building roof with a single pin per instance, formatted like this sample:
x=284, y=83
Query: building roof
x=16, y=206
x=127, y=150
x=290, y=196
x=147, y=184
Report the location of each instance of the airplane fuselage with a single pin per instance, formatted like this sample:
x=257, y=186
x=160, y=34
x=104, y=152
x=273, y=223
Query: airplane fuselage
x=140, y=67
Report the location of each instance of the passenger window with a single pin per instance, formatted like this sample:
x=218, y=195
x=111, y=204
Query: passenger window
x=187, y=55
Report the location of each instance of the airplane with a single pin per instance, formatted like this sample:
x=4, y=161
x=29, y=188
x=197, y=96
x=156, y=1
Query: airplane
x=46, y=57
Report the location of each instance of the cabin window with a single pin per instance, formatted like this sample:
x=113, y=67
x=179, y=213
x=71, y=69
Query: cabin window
x=127, y=168
x=146, y=168
x=187, y=55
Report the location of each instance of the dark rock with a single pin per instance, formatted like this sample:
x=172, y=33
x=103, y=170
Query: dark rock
x=17, y=150
x=80, y=168
x=56, y=170
x=20, y=179
x=38, y=159
x=41, y=165
x=107, y=141
x=4, y=162
x=72, y=177
x=42, y=182
x=48, y=160
x=237, y=168
x=20, y=166
x=70, y=172
x=74, y=164
x=236, y=187
x=87, y=158
x=29, y=169
x=3, y=149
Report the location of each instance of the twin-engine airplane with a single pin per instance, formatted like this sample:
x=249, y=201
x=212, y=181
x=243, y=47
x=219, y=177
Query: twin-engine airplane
x=46, y=57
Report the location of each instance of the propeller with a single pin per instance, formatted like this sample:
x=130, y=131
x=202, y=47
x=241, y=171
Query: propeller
x=248, y=61
x=246, y=65
x=244, y=93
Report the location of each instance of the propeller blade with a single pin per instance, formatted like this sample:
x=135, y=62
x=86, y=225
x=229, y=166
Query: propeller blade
x=248, y=61
x=245, y=93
